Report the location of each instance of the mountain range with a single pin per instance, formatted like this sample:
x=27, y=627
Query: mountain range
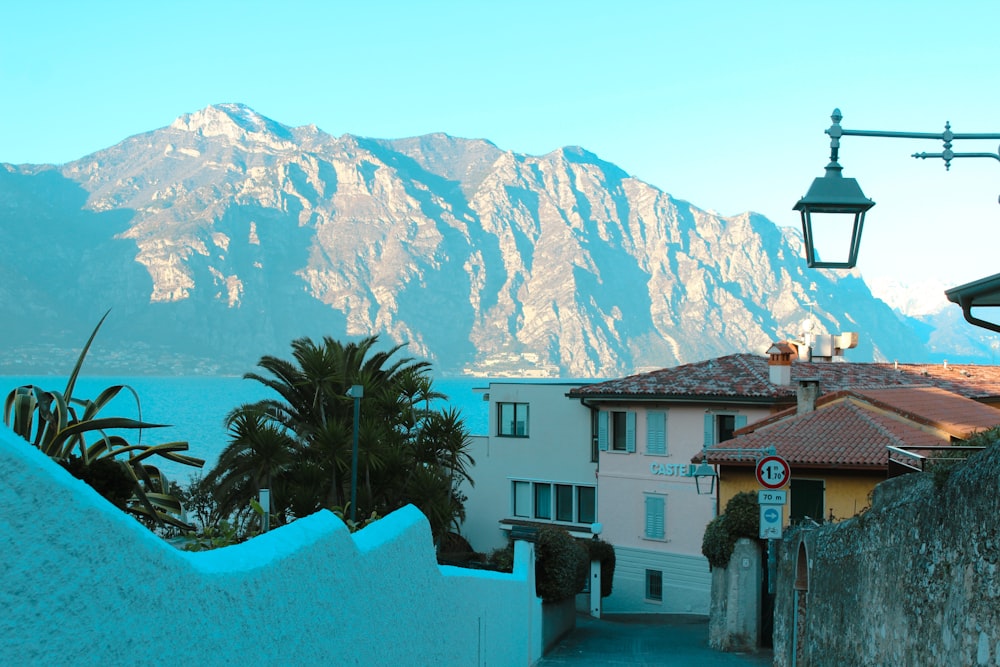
x=224, y=236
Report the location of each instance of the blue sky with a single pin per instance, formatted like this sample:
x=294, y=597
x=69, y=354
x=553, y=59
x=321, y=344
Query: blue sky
x=722, y=104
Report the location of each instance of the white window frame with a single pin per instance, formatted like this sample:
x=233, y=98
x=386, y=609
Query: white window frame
x=527, y=491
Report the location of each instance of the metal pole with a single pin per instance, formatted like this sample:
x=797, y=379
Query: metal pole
x=354, y=458
x=265, y=504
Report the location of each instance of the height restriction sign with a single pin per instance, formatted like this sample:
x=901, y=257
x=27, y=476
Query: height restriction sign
x=773, y=472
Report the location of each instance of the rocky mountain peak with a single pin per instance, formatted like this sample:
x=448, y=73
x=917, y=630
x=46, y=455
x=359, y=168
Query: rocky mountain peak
x=226, y=235
x=236, y=122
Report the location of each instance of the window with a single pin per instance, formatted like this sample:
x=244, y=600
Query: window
x=656, y=433
x=655, y=515
x=654, y=585
x=564, y=502
x=724, y=427
x=807, y=500
x=616, y=431
x=586, y=504
x=543, y=501
x=512, y=420
x=522, y=499
x=547, y=501
x=719, y=427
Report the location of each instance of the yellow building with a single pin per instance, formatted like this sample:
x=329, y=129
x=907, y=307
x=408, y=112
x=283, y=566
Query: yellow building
x=837, y=446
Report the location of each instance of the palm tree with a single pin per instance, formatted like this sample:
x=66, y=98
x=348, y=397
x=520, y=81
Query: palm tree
x=259, y=453
x=300, y=443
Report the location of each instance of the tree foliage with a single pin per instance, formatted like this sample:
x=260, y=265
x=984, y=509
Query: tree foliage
x=300, y=443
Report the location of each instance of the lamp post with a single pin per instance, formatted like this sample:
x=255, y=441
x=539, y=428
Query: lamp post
x=356, y=392
x=832, y=195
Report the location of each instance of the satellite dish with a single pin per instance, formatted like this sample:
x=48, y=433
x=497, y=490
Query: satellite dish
x=807, y=325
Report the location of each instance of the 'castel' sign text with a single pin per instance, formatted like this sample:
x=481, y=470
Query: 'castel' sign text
x=672, y=469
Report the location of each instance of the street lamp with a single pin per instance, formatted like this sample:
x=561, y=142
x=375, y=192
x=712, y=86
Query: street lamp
x=356, y=392
x=832, y=195
x=833, y=200
x=706, y=472
x=836, y=195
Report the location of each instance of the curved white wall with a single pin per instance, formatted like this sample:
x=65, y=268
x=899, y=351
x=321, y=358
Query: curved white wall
x=82, y=583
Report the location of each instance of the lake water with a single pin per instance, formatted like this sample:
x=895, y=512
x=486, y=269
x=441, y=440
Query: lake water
x=196, y=407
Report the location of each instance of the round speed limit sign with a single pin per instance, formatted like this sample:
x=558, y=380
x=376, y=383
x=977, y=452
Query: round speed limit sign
x=773, y=472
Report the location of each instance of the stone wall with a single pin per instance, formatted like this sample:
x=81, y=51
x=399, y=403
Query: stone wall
x=82, y=583
x=912, y=581
x=734, y=615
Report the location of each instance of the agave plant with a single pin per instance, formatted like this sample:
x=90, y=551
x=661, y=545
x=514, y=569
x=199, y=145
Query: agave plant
x=70, y=431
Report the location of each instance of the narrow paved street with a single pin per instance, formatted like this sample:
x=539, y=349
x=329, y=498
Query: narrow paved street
x=644, y=640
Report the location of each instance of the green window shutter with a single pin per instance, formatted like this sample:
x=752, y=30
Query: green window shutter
x=656, y=433
x=740, y=421
x=629, y=431
x=654, y=517
x=709, y=429
x=602, y=431
x=666, y=444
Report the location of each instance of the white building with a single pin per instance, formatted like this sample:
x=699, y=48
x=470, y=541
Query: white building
x=537, y=464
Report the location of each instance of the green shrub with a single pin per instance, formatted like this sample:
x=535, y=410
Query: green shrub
x=561, y=564
x=717, y=544
x=741, y=519
x=502, y=560
x=743, y=515
x=598, y=549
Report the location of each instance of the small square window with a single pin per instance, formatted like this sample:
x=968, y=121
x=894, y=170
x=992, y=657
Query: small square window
x=512, y=420
x=654, y=585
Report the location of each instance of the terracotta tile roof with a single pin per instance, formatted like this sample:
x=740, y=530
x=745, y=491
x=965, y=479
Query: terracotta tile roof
x=924, y=405
x=746, y=377
x=959, y=416
x=841, y=435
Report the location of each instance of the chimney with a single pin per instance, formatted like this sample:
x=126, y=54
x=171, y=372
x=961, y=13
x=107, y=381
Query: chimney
x=807, y=394
x=779, y=363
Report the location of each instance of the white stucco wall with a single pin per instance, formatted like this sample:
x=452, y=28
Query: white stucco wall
x=82, y=583
x=557, y=449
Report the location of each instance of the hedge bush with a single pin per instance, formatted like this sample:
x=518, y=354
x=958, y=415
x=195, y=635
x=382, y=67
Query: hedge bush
x=561, y=564
x=741, y=519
